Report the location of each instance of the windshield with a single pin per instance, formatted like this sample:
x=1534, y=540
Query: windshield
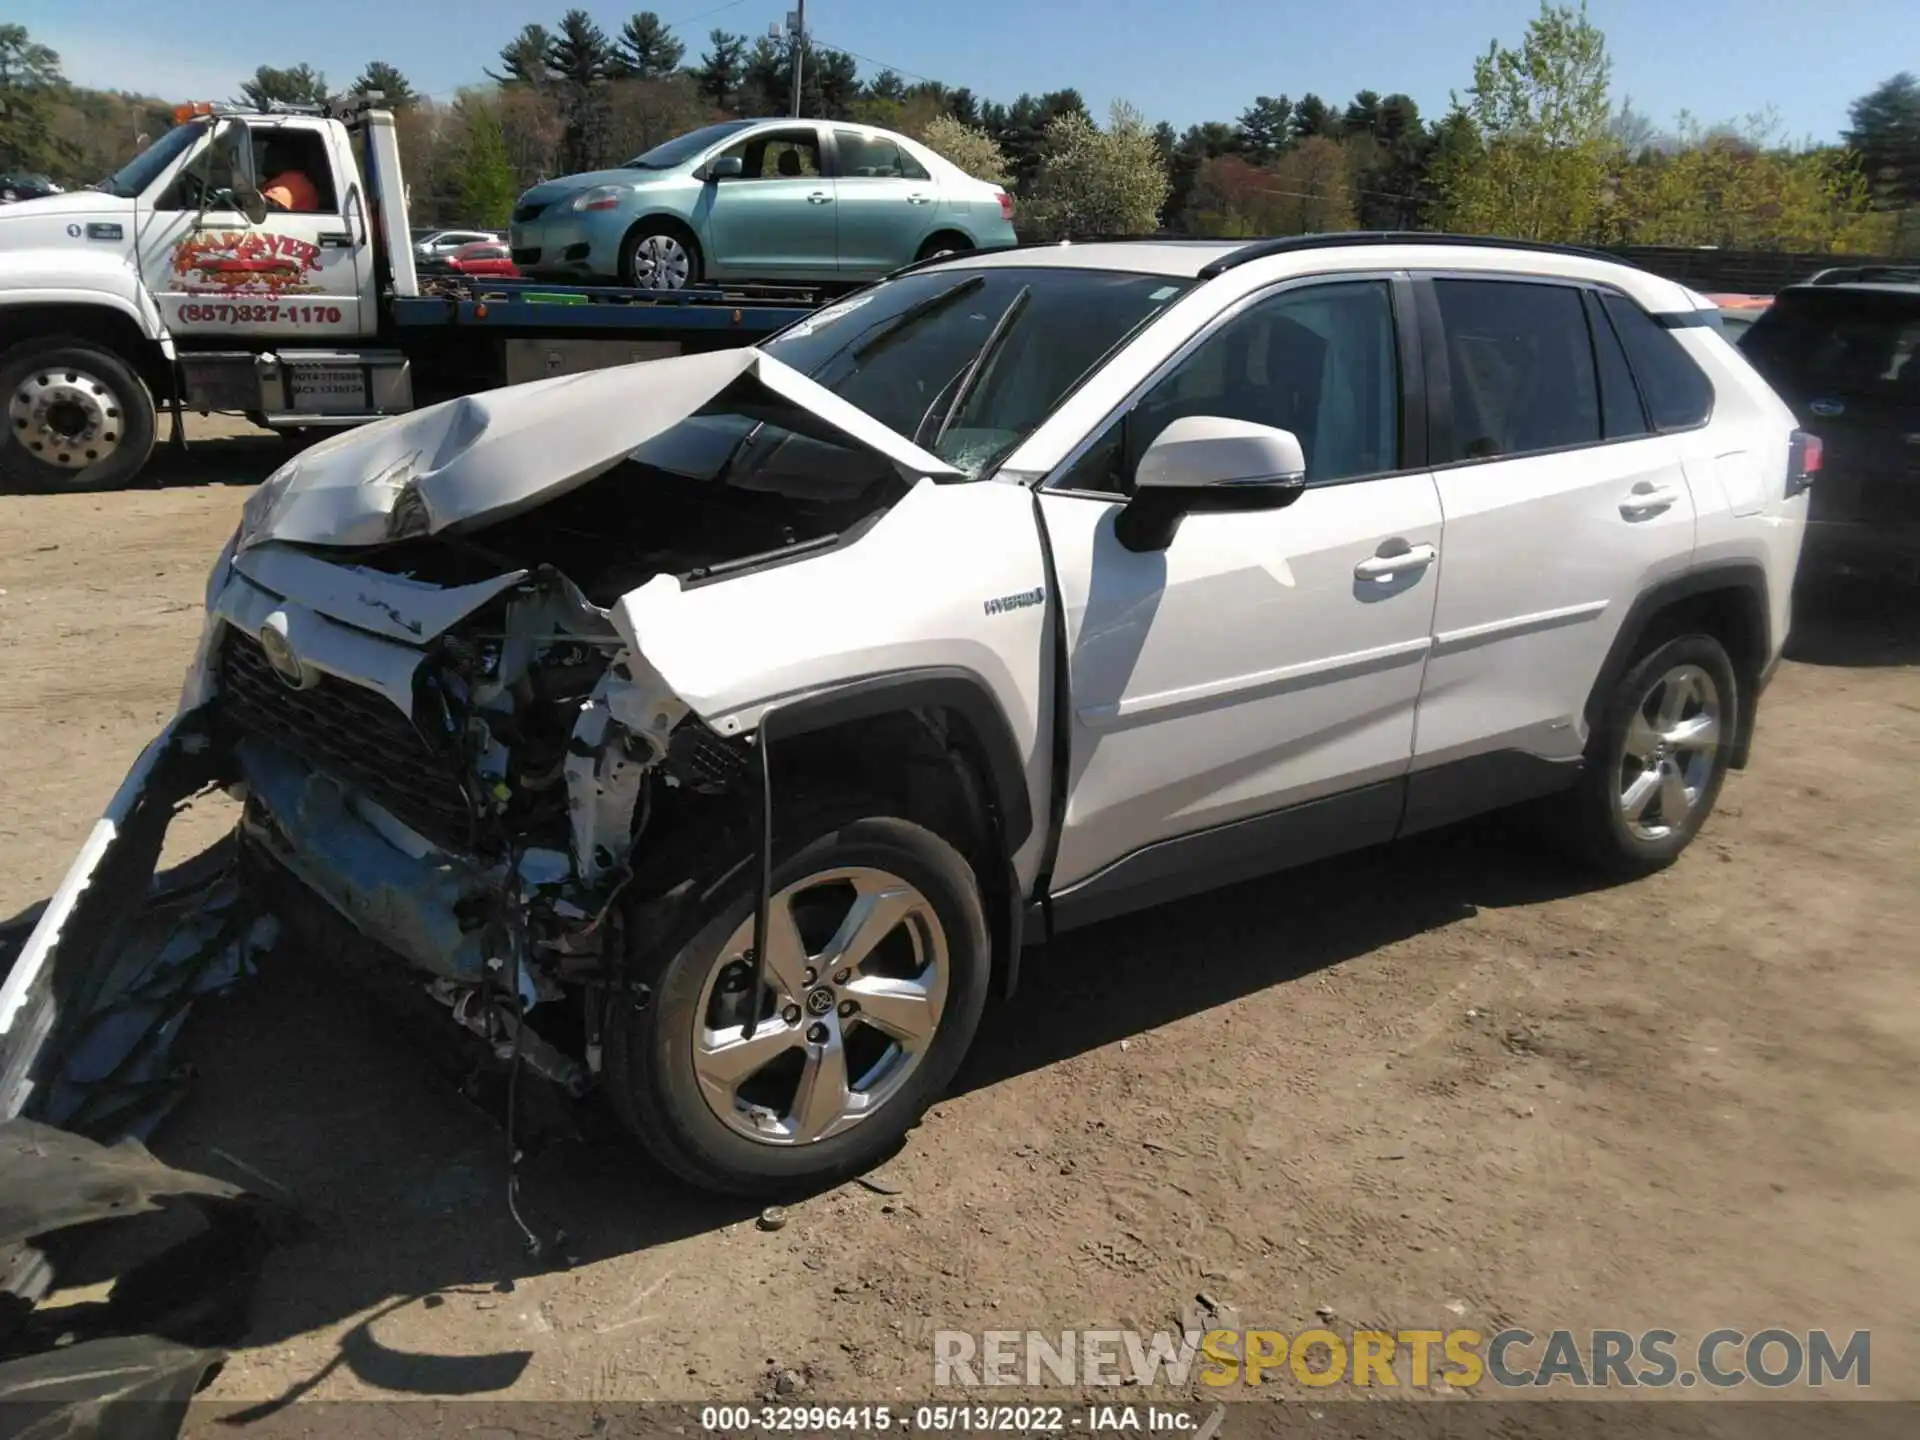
x=966, y=363
x=137, y=174
x=683, y=148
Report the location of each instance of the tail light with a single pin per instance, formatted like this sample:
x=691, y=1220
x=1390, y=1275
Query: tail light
x=1006, y=204
x=1804, y=453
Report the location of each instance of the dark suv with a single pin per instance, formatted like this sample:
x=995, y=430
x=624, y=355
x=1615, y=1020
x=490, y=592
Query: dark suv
x=1844, y=351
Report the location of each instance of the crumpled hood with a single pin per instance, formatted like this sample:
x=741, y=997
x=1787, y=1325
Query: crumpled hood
x=482, y=458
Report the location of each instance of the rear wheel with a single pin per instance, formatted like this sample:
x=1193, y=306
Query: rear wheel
x=876, y=974
x=1657, y=759
x=659, y=255
x=948, y=243
x=77, y=417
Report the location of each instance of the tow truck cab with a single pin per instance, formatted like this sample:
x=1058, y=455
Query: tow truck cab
x=171, y=287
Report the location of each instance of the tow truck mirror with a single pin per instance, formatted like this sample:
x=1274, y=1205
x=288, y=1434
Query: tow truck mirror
x=237, y=141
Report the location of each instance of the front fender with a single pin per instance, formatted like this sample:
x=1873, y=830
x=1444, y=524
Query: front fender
x=949, y=585
x=48, y=276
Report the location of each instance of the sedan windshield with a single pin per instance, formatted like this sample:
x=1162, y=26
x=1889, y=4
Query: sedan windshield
x=137, y=174
x=683, y=148
x=966, y=363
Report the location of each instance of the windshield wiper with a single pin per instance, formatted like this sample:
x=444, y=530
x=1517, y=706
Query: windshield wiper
x=913, y=314
x=977, y=367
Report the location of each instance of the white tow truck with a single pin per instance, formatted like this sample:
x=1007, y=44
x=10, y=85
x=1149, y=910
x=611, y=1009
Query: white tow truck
x=171, y=288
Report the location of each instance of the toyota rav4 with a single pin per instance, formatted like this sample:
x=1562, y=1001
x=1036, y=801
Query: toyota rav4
x=715, y=731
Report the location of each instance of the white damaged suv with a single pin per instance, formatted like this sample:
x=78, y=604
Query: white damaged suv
x=715, y=731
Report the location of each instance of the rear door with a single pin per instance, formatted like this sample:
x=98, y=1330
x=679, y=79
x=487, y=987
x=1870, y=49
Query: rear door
x=776, y=220
x=888, y=202
x=1847, y=360
x=1561, y=501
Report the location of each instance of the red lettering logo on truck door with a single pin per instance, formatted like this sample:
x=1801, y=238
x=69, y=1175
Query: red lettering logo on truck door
x=246, y=261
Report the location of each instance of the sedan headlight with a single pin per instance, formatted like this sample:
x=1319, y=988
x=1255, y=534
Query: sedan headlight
x=600, y=197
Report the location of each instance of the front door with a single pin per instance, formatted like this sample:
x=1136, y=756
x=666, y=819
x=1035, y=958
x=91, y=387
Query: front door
x=777, y=219
x=1561, y=503
x=1261, y=661
x=294, y=277
x=887, y=203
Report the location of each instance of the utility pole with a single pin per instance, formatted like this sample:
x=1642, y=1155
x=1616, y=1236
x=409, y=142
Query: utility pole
x=797, y=37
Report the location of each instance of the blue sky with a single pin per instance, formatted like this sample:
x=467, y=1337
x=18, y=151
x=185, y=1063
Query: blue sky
x=1178, y=60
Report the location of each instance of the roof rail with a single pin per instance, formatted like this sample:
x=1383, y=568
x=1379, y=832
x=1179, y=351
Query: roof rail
x=1845, y=274
x=1286, y=245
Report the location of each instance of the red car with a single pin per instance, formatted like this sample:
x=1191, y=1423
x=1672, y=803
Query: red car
x=484, y=257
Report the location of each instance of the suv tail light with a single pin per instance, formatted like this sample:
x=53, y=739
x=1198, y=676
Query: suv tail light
x=1804, y=453
x=1006, y=204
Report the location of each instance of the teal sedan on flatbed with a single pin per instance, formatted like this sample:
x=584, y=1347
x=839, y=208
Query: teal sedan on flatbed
x=796, y=201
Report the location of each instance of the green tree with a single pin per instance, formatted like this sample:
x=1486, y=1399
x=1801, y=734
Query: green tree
x=973, y=150
x=1885, y=134
x=722, y=68
x=1312, y=117
x=1022, y=128
x=485, y=170
x=581, y=58
x=30, y=84
x=887, y=85
x=297, y=85
x=527, y=58
x=646, y=49
x=380, y=78
x=1544, y=115
x=1363, y=115
x=1098, y=182
x=1266, y=128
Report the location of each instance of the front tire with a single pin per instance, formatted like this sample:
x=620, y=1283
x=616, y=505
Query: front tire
x=660, y=255
x=78, y=419
x=1656, y=761
x=876, y=976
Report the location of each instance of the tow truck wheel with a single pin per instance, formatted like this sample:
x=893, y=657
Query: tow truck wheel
x=77, y=417
x=874, y=981
x=659, y=255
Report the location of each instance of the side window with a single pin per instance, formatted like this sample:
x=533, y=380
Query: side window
x=1521, y=367
x=1621, y=415
x=213, y=166
x=1678, y=395
x=778, y=155
x=870, y=157
x=1319, y=361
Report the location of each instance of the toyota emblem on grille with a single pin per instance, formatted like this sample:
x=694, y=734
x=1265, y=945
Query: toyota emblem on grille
x=278, y=649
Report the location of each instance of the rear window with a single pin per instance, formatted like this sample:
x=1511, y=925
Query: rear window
x=1861, y=344
x=1678, y=395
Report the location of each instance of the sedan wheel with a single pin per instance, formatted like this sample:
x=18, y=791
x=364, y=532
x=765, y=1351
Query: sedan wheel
x=660, y=262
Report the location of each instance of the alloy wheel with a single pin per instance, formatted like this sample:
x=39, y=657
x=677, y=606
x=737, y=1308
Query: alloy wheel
x=854, y=985
x=1667, y=755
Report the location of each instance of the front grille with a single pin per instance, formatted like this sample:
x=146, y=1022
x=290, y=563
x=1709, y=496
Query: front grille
x=353, y=734
x=525, y=213
x=526, y=254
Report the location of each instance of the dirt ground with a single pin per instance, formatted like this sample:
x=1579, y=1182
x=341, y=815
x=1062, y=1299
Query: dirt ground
x=1446, y=1084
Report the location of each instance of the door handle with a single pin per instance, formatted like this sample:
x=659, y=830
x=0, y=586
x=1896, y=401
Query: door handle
x=1647, y=499
x=919, y=199
x=819, y=197
x=336, y=240
x=1393, y=558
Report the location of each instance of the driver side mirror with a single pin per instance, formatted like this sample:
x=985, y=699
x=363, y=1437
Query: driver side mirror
x=1211, y=465
x=726, y=167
